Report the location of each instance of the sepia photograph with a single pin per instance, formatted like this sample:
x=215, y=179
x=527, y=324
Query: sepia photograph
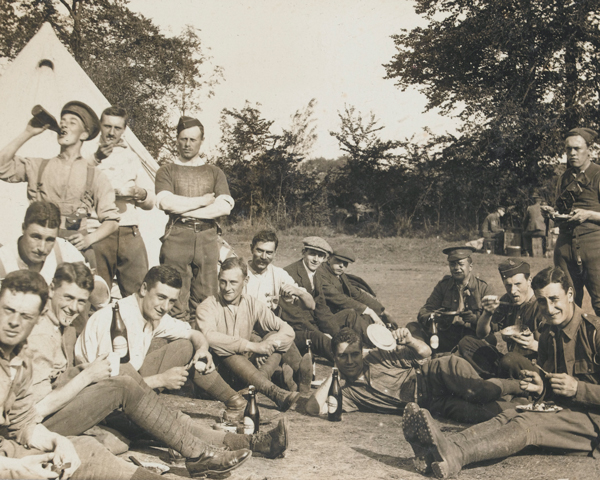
x=299, y=239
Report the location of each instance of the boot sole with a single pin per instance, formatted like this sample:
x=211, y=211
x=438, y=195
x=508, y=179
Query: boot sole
x=219, y=473
x=289, y=402
x=430, y=435
x=423, y=459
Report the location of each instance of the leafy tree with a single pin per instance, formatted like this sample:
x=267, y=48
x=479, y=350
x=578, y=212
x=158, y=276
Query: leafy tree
x=517, y=73
x=263, y=167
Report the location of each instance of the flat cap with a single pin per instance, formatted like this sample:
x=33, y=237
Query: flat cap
x=188, y=122
x=87, y=116
x=345, y=254
x=458, y=253
x=317, y=243
x=512, y=266
x=588, y=134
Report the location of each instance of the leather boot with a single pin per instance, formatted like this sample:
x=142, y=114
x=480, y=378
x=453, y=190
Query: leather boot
x=214, y=464
x=234, y=408
x=449, y=456
x=271, y=444
x=423, y=458
x=305, y=374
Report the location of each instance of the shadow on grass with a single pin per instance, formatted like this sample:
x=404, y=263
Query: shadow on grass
x=405, y=464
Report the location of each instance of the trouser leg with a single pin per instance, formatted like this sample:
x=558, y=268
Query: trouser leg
x=565, y=257
x=94, y=403
x=132, y=260
x=105, y=252
x=177, y=251
x=457, y=392
x=332, y=323
x=204, y=268
x=482, y=356
x=174, y=354
x=292, y=357
x=360, y=323
x=511, y=365
x=321, y=343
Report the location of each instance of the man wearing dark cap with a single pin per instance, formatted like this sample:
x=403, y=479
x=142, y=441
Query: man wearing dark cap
x=314, y=252
x=534, y=224
x=518, y=308
x=460, y=294
x=578, y=203
x=66, y=180
x=341, y=294
x=194, y=195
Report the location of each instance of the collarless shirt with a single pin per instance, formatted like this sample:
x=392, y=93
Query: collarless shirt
x=95, y=339
x=265, y=286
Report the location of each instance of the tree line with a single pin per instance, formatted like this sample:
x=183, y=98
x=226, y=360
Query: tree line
x=516, y=74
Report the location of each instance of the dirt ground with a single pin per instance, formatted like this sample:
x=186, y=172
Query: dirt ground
x=370, y=446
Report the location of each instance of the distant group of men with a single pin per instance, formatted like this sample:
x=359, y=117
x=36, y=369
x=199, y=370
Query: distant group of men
x=226, y=325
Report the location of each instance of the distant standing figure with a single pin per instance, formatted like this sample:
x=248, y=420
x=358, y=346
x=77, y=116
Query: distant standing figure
x=491, y=229
x=194, y=195
x=534, y=224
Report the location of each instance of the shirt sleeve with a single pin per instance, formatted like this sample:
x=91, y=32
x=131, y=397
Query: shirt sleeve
x=15, y=170
x=221, y=186
x=163, y=181
x=142, y=180
x=269, y=322
x=104, y=198
x=172, y=329
x=95, y=338
x=209, y=316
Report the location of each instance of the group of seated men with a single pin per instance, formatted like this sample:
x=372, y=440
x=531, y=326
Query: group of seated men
x=254, y=328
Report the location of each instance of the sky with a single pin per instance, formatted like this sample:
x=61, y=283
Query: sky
x=283, y=53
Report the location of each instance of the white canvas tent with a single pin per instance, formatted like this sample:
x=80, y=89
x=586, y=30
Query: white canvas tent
x=45, y=73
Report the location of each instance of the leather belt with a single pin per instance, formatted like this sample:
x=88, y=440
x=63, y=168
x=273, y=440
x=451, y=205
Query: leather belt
x=196, y=225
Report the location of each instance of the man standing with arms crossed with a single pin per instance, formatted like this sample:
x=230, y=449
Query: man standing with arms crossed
x=194, y=195
x=123, y=252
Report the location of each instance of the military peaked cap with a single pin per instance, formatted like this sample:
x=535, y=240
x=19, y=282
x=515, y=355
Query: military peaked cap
x=458, y=253
x=588, y=134
x=87, y=116
x=512, y=266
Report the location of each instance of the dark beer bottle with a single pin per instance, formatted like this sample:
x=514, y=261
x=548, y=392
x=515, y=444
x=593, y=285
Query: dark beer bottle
x=118, y=335
x=312, y=357
x=43, y=117
x=251, y=414
x=334, y=398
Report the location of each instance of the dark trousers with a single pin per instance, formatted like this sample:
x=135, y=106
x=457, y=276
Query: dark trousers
x=122, y=253
x=195, y=255
x=488, y=362
x=587, y=274
x=449, y=337
x=331, y=324
x=456, y=391
x=321, y=343
x=528, y=236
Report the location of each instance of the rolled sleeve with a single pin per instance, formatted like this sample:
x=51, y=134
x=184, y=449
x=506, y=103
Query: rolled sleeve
x=269, y=322
x=104, y=198
x=172, y=329
x=95, y=338
x=15, y=170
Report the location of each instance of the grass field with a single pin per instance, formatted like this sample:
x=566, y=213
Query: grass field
x=370, y=446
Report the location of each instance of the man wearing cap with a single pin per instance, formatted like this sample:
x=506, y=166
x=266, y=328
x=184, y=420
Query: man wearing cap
x=459, y=293
x=518, y=308
x=66, y=180
x=578, y=199
x=123, y=253
x=314, y=252
x=491, y=228
x=534, y=224
x=194, y=195
x=341, y=294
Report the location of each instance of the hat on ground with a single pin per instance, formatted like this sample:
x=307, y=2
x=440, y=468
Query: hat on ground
x=188, y=122
x=588, y=134
x=345, y=254
x=87, y=116
x=458, y=253
x=512, y=266
x=317, y=243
